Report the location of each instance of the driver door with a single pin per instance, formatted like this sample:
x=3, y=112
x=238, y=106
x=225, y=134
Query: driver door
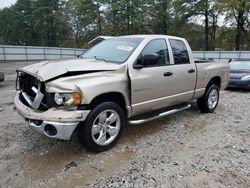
x=151, y=84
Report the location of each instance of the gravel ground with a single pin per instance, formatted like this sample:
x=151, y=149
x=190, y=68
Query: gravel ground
x=188, y=149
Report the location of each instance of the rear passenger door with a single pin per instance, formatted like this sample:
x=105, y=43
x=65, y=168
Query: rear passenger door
x=184, y=71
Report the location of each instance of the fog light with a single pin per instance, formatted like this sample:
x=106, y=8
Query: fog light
x=50, y=130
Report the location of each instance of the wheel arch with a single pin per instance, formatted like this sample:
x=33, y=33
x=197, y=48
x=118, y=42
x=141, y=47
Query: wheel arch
x=116, y=97
x=215, y=80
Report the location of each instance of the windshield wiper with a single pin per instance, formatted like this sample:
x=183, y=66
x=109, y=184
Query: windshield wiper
x=100, y=58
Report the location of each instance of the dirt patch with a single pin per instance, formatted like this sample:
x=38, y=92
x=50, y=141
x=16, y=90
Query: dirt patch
x=89, y=170
x=45, y=165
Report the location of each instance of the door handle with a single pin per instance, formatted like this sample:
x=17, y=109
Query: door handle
x=191, y=70
x=168, y=74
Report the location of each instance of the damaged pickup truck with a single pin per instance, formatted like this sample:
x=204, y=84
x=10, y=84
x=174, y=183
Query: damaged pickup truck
x=128, y=79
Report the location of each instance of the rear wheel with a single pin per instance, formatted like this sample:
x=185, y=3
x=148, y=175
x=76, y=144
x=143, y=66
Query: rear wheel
x=103, y=127
x=209, y=101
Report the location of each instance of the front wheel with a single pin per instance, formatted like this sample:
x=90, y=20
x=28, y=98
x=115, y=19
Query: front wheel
x=103, y=127
x=209, y=101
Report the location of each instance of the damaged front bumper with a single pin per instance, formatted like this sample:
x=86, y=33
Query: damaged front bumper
x=54, y=123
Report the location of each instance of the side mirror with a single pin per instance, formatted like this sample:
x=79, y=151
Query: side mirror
x=138, y=66
x=150, y=59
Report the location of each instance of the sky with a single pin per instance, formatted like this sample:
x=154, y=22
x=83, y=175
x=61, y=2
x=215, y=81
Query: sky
x=6, y=3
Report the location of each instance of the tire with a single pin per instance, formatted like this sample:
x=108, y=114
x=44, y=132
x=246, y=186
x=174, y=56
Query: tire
x=103, y=127
x=209, y=101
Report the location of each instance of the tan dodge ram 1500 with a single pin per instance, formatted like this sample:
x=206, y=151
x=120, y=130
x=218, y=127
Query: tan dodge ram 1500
x=130, y=79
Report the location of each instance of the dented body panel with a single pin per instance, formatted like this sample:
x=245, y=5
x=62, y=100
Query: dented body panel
x=52, y=69
x=94, y=84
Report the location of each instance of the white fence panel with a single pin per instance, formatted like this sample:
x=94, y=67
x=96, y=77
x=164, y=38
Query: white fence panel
x=222, y=54
x=14, y=50
x=245, y=55
x=31, y=51
x=28, y=53
x=68, y=52
x=232, y=55
x=35, y=57
x=78, y=52
x=16, y=56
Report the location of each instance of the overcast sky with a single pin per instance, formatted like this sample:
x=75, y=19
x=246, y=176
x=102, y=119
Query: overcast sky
x=6, y=3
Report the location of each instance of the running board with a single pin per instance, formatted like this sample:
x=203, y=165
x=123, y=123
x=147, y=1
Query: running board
x=140, y=121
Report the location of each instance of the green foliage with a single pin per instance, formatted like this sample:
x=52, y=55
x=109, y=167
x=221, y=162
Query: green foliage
x=72, y=23
x=239, y=12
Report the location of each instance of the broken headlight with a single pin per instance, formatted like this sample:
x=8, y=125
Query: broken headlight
x=67, y=99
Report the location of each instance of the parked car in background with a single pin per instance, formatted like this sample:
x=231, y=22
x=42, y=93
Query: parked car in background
x=239, y=74
x=1, y=76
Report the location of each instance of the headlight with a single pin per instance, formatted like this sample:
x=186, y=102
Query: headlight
x=247, y=77
x=67, y=99
x=58, y=99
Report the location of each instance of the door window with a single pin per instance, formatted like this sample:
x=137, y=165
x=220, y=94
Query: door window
x=159, y=48
x=180, y=52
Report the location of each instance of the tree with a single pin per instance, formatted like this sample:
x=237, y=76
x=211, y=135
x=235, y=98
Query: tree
x=84, y=19
x=30, y=22
x=206, y=9
x=160, y=16
x=17, y=24
x=72, y=23
x=239, y=10
x=49, y=21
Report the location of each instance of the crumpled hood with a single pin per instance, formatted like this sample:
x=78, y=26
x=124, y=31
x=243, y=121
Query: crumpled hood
x=50, y=69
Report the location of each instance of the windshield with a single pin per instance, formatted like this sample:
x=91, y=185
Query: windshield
x=240, y=65
x=116, y=50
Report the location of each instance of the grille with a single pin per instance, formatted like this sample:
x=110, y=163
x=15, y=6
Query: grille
x=235, y=78
x=32, y=91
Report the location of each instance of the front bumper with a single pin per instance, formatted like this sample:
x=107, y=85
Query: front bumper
x=54, y=123
x=239, y=84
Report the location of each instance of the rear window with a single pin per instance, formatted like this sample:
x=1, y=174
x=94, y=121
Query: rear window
x=180, y=52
